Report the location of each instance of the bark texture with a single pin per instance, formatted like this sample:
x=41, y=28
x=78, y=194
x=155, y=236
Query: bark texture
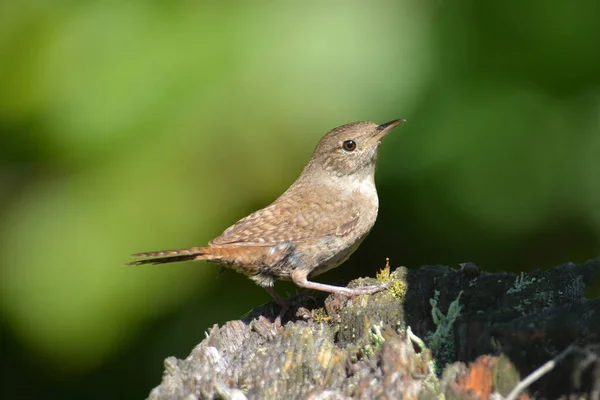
x=482, y=332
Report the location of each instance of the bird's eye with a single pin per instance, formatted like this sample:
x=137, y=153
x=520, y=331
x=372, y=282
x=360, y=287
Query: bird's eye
x=349, y=145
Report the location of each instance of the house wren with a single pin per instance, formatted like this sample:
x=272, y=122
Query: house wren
x=313, y=227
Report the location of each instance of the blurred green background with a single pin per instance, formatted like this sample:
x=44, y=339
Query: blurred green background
x=134, y=126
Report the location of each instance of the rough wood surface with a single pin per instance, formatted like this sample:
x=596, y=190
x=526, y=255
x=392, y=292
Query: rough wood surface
x=487, y=332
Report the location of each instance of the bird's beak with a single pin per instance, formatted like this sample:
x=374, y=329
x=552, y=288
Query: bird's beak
x=383, y=129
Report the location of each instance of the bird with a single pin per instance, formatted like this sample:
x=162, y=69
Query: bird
x=314, y=226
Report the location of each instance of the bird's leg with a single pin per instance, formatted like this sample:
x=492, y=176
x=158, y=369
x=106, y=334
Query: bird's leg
x=279, y=300
x=299, y=278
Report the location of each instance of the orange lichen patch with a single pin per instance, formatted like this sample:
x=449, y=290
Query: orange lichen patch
x=478, y=379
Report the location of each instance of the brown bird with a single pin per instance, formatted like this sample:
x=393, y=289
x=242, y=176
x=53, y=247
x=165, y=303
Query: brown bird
x=311, y=228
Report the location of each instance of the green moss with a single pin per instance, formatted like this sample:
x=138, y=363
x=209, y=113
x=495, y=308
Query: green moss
x=520, y=283
x=441, y=341
x=375, y=336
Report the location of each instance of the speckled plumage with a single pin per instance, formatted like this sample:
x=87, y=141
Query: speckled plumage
x=312, y=227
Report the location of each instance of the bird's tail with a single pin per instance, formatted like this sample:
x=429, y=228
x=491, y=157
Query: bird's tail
x=169, y=256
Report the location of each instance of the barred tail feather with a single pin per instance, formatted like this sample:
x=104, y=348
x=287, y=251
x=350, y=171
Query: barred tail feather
x=177, y=252
x=169, y=256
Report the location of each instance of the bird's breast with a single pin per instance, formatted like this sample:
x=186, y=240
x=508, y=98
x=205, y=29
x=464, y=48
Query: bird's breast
x=361, y=196
x=363, y=189
x=366, y=186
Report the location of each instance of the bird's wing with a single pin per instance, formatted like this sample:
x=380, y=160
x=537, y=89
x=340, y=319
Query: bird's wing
x=290, y=220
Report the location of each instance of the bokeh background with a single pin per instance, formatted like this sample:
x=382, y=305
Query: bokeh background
x=134, y=126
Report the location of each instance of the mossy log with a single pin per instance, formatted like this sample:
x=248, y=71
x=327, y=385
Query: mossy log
x=482, y=333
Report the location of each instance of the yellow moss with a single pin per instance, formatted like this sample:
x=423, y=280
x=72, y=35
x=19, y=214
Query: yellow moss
x=397, y=287
x=320, y=315
x=384, y=275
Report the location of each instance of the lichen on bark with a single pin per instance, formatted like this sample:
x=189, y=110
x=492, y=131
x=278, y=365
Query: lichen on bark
x=368, y=346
